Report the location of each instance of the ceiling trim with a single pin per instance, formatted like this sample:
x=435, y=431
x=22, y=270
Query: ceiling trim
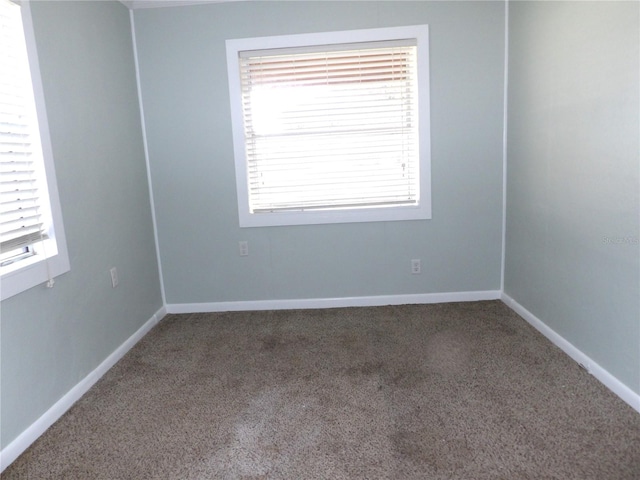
x=139, y=4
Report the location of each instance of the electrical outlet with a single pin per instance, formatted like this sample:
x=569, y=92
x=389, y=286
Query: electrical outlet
x=416, y=267
x=243, y=246
x=114, y=277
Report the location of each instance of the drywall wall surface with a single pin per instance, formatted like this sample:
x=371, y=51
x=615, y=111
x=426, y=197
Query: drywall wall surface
x=53, y=338
x=186, y=101
x=572, y=249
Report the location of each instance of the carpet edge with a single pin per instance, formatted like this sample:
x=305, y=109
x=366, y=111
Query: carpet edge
x=604, y=376
x=14, y=449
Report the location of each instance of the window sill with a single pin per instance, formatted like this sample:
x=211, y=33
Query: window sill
x=316, y=217
x=32, y=271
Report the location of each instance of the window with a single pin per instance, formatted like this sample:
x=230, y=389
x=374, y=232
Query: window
x=32, y=244
x=331, y=128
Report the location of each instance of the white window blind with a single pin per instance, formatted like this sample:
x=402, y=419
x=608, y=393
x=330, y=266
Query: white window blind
x=21, y=219
x=331, y=127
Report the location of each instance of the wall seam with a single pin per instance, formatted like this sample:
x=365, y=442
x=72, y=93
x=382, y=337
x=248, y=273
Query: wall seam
x=504, y=143
x=146, y=156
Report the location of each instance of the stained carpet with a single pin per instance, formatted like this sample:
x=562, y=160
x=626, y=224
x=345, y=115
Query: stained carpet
x=448, y=391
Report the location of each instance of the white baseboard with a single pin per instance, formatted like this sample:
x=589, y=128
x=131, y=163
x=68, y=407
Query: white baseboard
x=26, y=438
x=609, y=381
x=31, y=434
x=305, y=303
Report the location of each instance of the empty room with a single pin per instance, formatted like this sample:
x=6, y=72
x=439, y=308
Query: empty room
x=320, y=239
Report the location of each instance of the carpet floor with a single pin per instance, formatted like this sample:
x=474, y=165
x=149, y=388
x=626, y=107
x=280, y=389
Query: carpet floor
x=446, y=391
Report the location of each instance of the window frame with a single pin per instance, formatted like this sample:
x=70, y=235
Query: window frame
x=344, y=215
x=52, y=258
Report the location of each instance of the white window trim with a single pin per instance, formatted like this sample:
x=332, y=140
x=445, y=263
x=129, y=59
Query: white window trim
x=388, y=213
x=54, y=261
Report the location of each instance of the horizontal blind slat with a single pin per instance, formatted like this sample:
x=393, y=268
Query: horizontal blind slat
x=21, y=241
x=20, y=220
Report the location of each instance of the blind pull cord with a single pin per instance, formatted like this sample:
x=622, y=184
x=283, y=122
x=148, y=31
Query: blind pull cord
x=50, y=280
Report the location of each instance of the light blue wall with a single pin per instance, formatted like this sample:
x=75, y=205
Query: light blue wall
x=572, y=179
x=186, y=102
x=572, y=251
x=52, y=338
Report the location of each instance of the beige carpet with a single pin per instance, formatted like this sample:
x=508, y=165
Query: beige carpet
x=452, y=391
